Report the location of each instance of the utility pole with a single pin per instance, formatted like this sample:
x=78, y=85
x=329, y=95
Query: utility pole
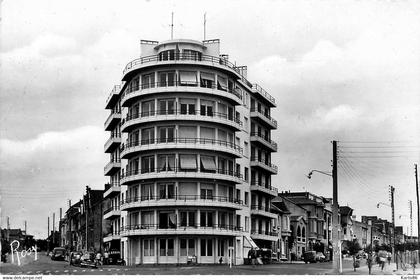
x=53, y=226
x=418, y=204
x=172, y=26
x=391, y=192
x=48, y=235
x=410, y=205
x=335, y=231
x=204, y=26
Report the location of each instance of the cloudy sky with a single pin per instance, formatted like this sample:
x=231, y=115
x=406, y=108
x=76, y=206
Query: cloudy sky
x=347, y=72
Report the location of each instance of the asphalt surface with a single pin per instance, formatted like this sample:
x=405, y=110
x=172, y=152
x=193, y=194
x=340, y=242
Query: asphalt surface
x=45, y=266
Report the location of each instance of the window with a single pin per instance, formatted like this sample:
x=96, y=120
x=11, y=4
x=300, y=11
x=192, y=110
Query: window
x=207, y=80
x=221, y=83
x=166, y=134
x=134, y=85
x=148, y=81
x=147, y=164
x=187, y=78
x=147, y=219
x=166, y=247
x=187, y=106
x=246, y=174
x=208, y=164
x=221, y=246
x=167, y=219
x=246, y=198
x=246, y=223
x=166, y=107
x=191, y=55
x=206, y=108
x=207, y=134
x=246, y=123
x=148, y=108
x=187, y=133
x=187, y=247
x=166, y=163
x=206, y=219
x=147, y=136
x=166, y=79
x=149, y=247
x=206, y=191
x=167, y=55
x=167, y=191
x=206, y=247
x=187, y=218
x=298, y=233
x=303, y=234
x=188, y=162
x=147, y=191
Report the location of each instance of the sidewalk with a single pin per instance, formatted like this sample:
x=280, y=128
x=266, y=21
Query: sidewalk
x=376, y=270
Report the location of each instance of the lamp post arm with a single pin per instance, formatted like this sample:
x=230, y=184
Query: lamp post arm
x=318, y=171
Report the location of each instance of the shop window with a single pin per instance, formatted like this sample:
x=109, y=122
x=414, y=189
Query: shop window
x=187, y=247
x=206, y=247
x=149, y=247
x=166, y=247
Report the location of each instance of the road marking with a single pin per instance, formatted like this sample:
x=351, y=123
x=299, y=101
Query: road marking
x=47, y=271
x=65, y=271
x=75, y=270
x=29, y=272
x=57, y=271
x=38, y=272
x=101, y=270
x=118, y=269
x=92, y=270
x=84, y=270
x=126, y=269
x=109, y=269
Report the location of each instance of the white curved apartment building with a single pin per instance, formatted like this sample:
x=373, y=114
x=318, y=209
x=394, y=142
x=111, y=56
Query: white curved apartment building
x=190, y=158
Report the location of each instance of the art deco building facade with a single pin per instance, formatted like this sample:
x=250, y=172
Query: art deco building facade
x=190, y=158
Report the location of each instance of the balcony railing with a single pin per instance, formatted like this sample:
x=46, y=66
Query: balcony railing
x=152, y=113
x=259, y=89
x=260, y=207
x=112, y=162
x=132, y=90
x=204, y=141
x=113, y=185
x=113, y=208
x=181, y=226
x=269, y=164
x=181, y=57
x=265, y=138
x=265, y=115
x=180, y=170
x=263, y=232
x=263, y=185
x=115, y=90
x=183, y=198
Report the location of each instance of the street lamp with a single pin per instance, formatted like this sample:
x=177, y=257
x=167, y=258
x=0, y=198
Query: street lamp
x=322, y=172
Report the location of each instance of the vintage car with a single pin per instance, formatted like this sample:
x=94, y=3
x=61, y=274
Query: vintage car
x=58, y=254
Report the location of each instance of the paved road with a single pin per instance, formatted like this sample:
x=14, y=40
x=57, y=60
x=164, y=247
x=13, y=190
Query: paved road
x=45, y=266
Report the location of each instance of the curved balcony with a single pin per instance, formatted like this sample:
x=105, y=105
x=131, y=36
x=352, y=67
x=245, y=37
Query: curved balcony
x=261, y=187
x=265, y=95
x=264, y=140
x=180, y=143
x=181, y=200
x=199, y=173
x=112, y=167
x=178, y=115
x=265, y=118
x=113, y=119
x=113, y=142
x=113, y=97
x=182, y=59
x=156, y=229
x=267, y=166
x=262, y=211
x=111, y=189
x=264, y=235
x=112, y=212
x=110, y=237
x=178, y=86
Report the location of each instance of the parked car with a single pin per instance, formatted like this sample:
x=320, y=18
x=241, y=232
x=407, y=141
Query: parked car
x=76, y=258
x=115, y=258
x=88, y=260
x=320, y=257
x=309, y=257
x=265, y=254
x=58, y=254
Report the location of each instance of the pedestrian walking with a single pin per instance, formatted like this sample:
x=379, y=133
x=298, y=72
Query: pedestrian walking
x=252, y=256
x=106, y=257
x=98, y=258
x=389, y=257
x=369, y=262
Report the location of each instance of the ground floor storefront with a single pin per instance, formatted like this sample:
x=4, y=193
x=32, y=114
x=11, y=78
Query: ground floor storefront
x=183, y=249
